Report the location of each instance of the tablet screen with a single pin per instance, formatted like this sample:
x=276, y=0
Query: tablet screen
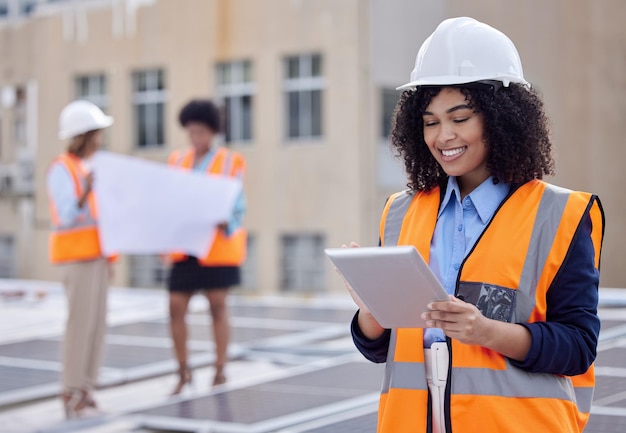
x=393, y=282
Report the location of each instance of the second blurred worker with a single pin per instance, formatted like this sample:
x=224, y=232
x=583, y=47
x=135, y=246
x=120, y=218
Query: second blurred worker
x=219, y=270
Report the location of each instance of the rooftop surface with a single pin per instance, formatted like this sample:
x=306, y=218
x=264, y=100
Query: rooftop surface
x=293, y=366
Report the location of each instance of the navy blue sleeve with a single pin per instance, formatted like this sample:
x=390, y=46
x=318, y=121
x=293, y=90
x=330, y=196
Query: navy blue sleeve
x=373, y=350
x=566, y=342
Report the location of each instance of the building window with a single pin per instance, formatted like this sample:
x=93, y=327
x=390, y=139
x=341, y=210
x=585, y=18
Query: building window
x=92, y=88
x=391, y=175
x=20, y=117
x=389, y=99
x=235, y=90
x=7, y=256
x=19, y=7
x=147, y=271
x=302, y=262
x=249, y=268
x=149, y=97
x=303, y=85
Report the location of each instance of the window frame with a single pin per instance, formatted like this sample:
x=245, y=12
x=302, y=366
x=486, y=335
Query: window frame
x=143, y=265
x=11, y=260
x=97, y=92
x=305, y=85
x=97, y=89
x=386, y=117
x=230, y=94
x=293, y=276
x=152, y=96
x=250, y=268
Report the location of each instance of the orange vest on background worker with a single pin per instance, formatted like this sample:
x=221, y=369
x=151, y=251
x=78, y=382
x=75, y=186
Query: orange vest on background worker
x=80, y=241
x=226, y=250
x=521, y=249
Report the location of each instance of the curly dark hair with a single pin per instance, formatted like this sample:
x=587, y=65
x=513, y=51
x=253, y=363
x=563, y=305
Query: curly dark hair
x=201, y=111
x=515, y=128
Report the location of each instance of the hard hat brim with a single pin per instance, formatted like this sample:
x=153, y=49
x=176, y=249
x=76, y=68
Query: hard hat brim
x=453, y=80
x=105, y=122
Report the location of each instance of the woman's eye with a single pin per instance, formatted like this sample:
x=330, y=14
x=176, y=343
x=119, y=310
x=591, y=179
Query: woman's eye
x=430, y=123
x=461, y=120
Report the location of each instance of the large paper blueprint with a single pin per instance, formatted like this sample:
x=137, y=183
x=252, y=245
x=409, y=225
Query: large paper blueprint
x=149, y=208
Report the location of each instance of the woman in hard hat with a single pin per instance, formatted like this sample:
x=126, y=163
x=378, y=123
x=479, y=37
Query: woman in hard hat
x=512, y=349
x=75, y=247
x=219, y=270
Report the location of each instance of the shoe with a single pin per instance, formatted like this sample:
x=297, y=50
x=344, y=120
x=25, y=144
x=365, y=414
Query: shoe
x=78, y=403
x=184, y=378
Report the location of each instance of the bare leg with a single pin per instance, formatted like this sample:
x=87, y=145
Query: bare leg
x=221, y=330
x=178, y=329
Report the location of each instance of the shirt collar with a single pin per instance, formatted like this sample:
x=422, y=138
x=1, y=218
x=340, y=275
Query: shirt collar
x=485, y=198
x=205, y=159
x=452, y=188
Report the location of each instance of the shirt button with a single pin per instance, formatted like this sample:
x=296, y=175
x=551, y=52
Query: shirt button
x=456, y=267
x=467, y=203
x=460, y=227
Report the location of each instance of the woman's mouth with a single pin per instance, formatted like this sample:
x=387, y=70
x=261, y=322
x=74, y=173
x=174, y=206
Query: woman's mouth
x=451, y=154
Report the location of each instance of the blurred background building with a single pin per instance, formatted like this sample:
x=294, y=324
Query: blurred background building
x=307, y=90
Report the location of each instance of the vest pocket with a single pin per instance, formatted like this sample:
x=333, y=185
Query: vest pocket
x=494, y=302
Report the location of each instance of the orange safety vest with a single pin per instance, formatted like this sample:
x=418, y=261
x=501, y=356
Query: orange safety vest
x=80, y=240
x=226, y=250
x=521, y=249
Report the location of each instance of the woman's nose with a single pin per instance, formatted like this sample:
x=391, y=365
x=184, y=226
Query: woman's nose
x=446, y=132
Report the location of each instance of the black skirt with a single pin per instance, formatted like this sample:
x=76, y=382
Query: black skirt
x=189, y=276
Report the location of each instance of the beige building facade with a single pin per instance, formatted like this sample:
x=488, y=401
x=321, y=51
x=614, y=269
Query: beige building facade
x=307, y=88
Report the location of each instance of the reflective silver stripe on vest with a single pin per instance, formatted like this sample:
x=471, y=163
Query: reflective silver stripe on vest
x=512, y=382
x=395, y=216
x=546, y=224
x=584, y=398
x=390, y=362
x=402, y=375
x=409, y=375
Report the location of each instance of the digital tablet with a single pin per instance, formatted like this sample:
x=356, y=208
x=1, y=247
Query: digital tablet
x=394, y=282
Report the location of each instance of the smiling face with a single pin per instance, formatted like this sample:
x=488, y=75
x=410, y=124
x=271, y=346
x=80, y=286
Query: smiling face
x=453, y=132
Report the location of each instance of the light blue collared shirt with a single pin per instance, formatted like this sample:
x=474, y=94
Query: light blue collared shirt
x=459, y=224
x=63, y=193
x=239, y=209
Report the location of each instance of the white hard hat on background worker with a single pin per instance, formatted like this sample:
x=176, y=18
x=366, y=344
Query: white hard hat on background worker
x=79, y=117
x=463, y=50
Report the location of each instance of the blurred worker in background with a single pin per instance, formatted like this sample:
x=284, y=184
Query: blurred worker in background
x=513, y=348
x=75, y=247
x=219, y=270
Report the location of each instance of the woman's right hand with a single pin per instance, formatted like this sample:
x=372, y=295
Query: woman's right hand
x=368, y=324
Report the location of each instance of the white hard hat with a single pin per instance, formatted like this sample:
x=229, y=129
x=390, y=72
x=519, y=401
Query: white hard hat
x=79, y=117
x=463, y=50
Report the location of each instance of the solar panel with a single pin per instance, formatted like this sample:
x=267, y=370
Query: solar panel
x=265, y=406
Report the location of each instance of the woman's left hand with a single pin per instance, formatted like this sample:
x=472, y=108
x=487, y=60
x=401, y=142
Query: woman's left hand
x=459, y=320
x=465, y=323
